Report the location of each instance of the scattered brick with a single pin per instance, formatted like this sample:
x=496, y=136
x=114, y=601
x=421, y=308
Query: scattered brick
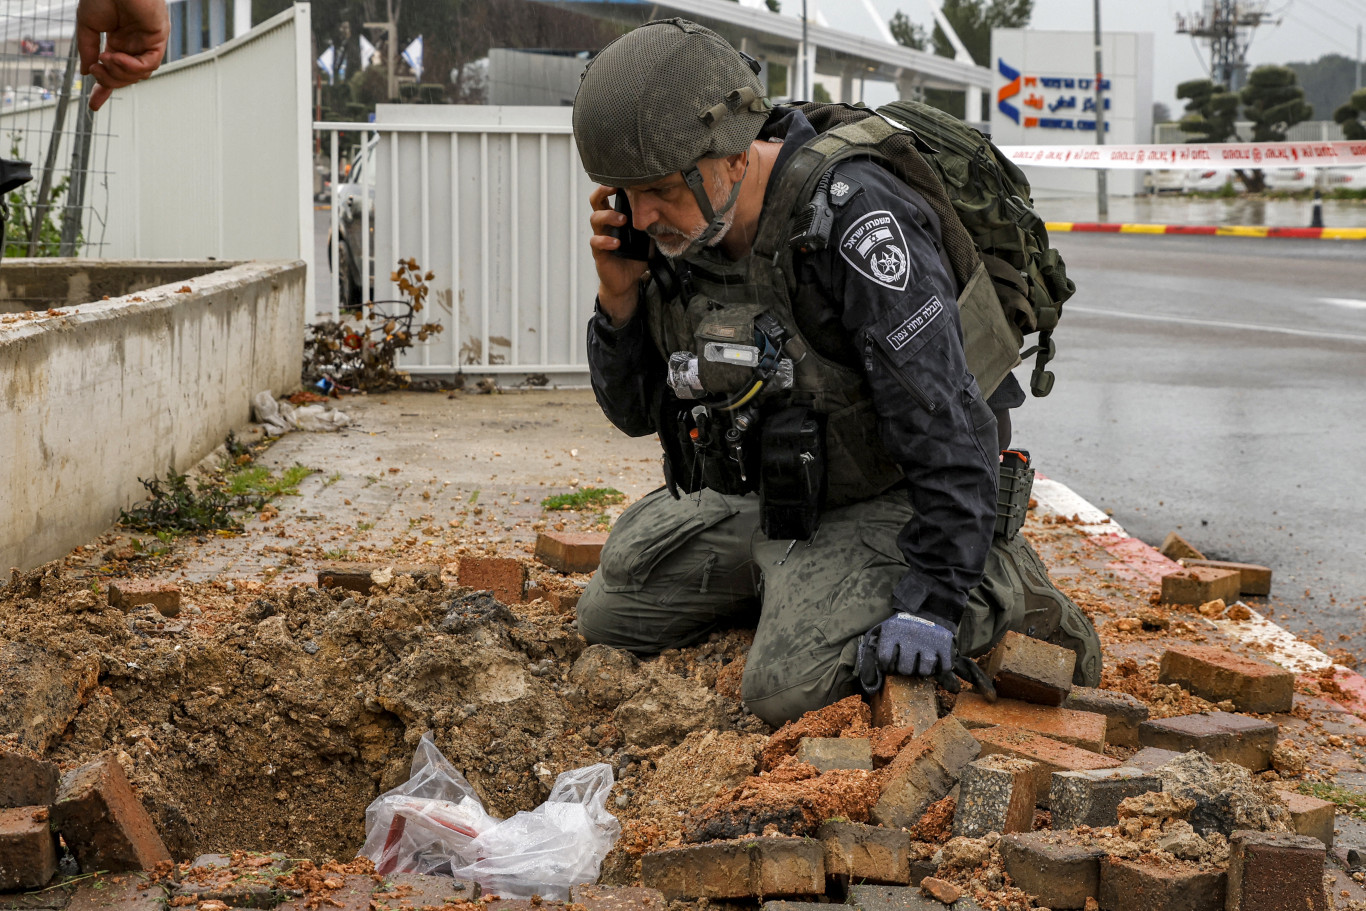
x=1127, y=885
x=28, y=852
x=888, y=742
x=995, y=794
x=1123, y=713
x=1216, y=674
x=1081, y=729
x=127, y=594
x=1031, y=669
x=737, y=869
x=923, y=772
x=1050, y=755
x=120, y=892
x=940, y=890
x=1252, y=578
x=26, y=781
x=353, y=895
x=503, y=576
x=570, y=552
x=614, y=898
x=1175, y=547
x=1151, y=758
x=564, y=601
x=899, y=898
x=102, y=820
x=870, y=854
x=1198, y=584
x=1063, y=874
x=1310, y=816
x=1270, y=871
x=827, y=753
x=905, y=702
x=361, y=577
x=1222, y=736
x=1092, y=798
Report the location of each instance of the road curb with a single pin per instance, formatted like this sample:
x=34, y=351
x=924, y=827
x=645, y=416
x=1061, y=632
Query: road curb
x=1137, y=561
x=1089, y=227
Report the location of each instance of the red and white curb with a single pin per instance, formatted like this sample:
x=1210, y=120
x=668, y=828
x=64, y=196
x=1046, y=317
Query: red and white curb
x=1137, y=561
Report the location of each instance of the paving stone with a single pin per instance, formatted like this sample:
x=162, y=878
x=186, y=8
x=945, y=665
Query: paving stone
x=1198, y=584
x=1310, y=815
x=1175, y=547
x=503, y=576
x=1217, y=674
x=995, y=794
x=1223, y=736
x=923, y=772
x=413, y=890
x=102, y=821
x=1031, y=669
x=737, y=869
x=871, y=854
x=905, y=702
x=803, y=906
x=1252, y=578
x=899, y=898
x=353, y=895
x=49, y=899
x=28, y=852
x=616, y=898
x=360, y=577
x=1273, y=871
x=1151, y=758
x=26, y=781
x=118, y=892
x=1123, y=713
x=1092, y=798
x=1127, y=885
x=570, y=552
x=1081, y=729
x=251, y=884
x=126, y=594
x=1049, y=755
x=827, y=753
x=1062, y=875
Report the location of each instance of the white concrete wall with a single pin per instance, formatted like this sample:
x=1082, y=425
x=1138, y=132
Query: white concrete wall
x=120, y=389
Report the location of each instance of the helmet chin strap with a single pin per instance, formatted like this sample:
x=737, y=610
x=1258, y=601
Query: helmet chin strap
x=715, y=220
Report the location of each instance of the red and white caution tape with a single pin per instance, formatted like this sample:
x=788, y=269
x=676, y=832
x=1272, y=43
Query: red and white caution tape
x=1194, y=156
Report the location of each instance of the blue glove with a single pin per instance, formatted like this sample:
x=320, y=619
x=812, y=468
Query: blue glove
x=903, y=644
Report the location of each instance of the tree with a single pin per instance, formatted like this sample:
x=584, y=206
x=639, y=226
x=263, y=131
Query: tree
x=907, y=33
x=1211, y=111
x=1327, y=80
x=1274, y=102
x=1161, y=113
x=1350, y=115
x=973, y=20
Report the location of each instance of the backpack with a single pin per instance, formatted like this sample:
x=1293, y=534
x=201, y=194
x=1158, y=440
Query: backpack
x=993, y=238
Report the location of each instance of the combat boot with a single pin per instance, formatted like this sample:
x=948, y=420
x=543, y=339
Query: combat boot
x=1050, y=615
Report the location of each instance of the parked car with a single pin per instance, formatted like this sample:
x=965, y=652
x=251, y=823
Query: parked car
x=350, y=191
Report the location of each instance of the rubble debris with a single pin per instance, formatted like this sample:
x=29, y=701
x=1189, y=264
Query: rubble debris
x=941, y=890
x=1289, y=758
x=1216, y=674
x=401, y=891
x=829, y=753
x=366, y=578
x=503, y=576
x=1223, y=736
x=1252, y=578
x=1080, y=729
x=1049, y=755
x=1310, y=815
x=850, y=716
x=570, y=552
x=596, y=897
x=1092, y=798
x=888, y=742
x=863, y=853
x=1198, y=584
x=794, y=797
x=28, y=849
x=923, y=772
x=1150, y=758
x=905, y=702
x=666, y=709
x=1142, y=885
x=248, y=884
x=41, y=691
x=1123, y=712
x=1175, y=547
x=737, y=869
x=1030, y=669
x=103, y=822
x=1053, y=865
x=344, y=892
x=607, y=676
x=996, y=794
x=126, y=892
x=1274, y=871
x=899, y=898
x=26, y=780
x=1226, y=796
x=127, y=594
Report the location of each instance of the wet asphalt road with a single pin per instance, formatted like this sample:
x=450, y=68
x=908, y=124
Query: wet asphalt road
x=1217, y=386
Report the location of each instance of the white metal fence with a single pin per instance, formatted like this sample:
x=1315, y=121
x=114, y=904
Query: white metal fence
x=492, y=200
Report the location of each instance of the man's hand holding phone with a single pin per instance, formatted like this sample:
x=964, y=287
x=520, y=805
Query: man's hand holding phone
x=618, y=276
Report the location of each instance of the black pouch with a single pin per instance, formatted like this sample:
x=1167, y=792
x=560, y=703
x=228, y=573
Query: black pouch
x=1012, y=493
x=792, y=473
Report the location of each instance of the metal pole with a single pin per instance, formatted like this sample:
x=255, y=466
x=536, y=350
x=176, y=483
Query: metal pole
x=50, y=160
x=80, y=164
x=1102, y=192
x=806, y=69
x=1358, y=56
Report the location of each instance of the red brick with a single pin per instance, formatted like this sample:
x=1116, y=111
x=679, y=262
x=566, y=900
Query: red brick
x=1222, y=736
x=1274, y=871
x=1061, y=874
x=1127, y=885
x=503, y=576
x=28, y=852
x=565, y=601
x=924, y=771
x=26, y=781
x=1175, y=547
x=1252, y=578
x=888, y=742
x=995, y=794
x=570, y=552
x=126, y=594
x=1310, y=816
x=616, y=898
x=1123, y=713
x=870, y=854
x=1031, y=669
x=905, y=702
x=1217, y=674
x=403, y=891
x=1050, y=755
x=828, y=753
x=103, y=822
x=1081, y=729
x=118, y=892
x=354, y=894
x=737, y=869
x=1198, y=584
x=360, y=577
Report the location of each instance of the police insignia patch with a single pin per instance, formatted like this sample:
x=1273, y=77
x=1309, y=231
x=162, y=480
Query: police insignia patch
x=877, y=249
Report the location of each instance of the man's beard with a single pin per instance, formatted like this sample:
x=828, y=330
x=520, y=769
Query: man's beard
x=674, y=242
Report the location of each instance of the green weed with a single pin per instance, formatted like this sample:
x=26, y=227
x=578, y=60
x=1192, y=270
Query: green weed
x=1349, y=801
x=258, y=480
x=587, y=498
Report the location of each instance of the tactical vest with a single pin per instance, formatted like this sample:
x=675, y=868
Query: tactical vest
x=714, y=311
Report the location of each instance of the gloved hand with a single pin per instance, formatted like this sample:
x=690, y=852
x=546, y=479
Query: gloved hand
x=903, y=644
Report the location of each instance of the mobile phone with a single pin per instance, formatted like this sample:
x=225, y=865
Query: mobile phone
x=634, y=244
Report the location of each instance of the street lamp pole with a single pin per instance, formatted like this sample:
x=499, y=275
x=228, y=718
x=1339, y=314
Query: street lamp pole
x=1102, y=192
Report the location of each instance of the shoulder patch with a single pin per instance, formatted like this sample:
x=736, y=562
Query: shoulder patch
x=876, y=247
x=843, y=189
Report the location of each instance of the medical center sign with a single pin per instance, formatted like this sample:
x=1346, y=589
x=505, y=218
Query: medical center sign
x=1049, y=102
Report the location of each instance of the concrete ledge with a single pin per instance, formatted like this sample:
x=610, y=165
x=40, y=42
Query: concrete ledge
x=97, y=396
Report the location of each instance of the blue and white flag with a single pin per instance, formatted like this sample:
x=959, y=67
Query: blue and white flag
x=412, y=55
x=367, y=52
x=325, y=61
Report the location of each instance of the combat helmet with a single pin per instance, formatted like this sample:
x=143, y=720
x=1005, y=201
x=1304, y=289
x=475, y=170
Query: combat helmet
x=662, y=97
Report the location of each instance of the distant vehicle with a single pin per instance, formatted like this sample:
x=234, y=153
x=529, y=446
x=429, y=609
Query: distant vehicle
x=350, y=191
x=1210, y=181
x=1347, y=178
x=1289, y=179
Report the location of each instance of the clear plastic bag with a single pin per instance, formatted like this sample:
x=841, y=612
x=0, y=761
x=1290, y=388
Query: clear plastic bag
x=434, y=823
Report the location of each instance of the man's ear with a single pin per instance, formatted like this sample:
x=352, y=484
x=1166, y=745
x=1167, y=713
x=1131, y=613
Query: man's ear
x=734, y=165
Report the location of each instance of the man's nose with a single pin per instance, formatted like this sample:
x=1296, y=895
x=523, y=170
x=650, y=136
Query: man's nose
x=643, y=211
